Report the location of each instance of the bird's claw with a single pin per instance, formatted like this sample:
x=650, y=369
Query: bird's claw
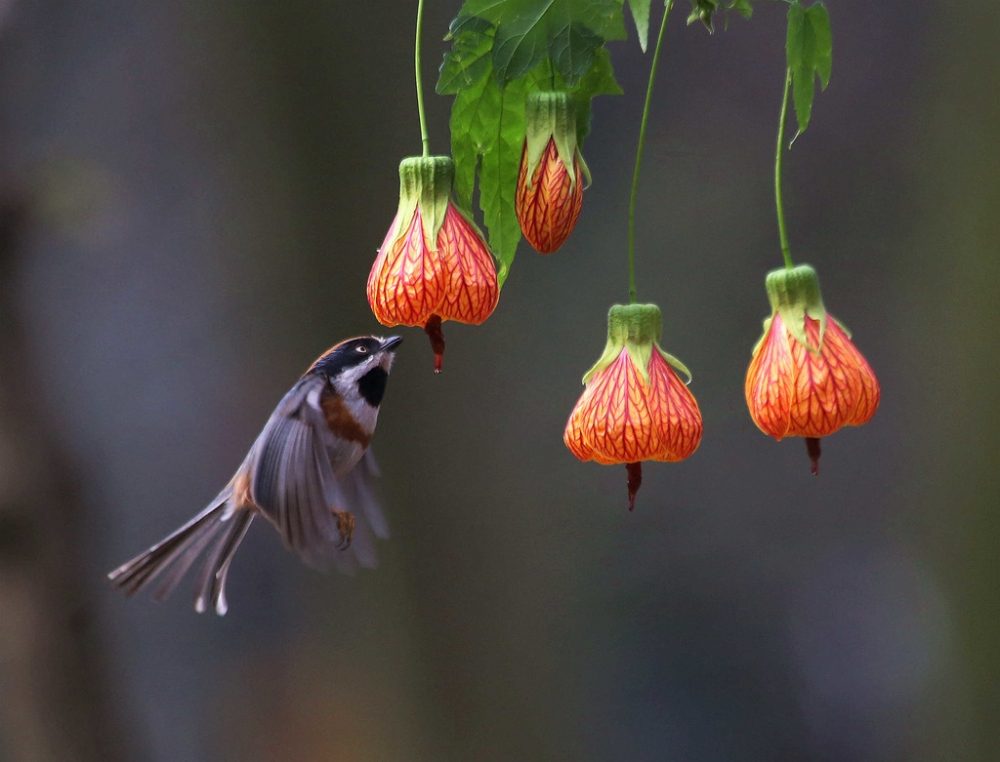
x=345, y=526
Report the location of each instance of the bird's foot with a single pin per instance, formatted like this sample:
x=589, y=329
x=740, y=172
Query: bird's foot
x=345, y=526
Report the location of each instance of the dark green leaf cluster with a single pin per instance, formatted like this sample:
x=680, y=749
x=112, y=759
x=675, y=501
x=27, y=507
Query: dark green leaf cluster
x=703, y=11
x=742, y=7
x=809, y=51
x=501, y=51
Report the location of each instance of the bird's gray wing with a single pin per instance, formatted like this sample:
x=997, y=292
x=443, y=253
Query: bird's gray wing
x=295, y=487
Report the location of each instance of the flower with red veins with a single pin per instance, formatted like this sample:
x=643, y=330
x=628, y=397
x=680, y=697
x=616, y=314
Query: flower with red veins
x=806, y=378
x=550, y=183
x=634, y=406
x=434, y=264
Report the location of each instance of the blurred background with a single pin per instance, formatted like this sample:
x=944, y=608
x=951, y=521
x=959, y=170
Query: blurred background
x=191, y=196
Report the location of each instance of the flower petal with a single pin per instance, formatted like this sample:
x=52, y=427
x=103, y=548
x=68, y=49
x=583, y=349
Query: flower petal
x=674, y=410
x=472, y=291
x=407, y=281
x=616, y=421
x=859, y=378
x=770, y=381
x=573, y=435
x=824, y=395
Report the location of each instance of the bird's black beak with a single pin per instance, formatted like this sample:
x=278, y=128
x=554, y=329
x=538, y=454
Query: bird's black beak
x=391, y=343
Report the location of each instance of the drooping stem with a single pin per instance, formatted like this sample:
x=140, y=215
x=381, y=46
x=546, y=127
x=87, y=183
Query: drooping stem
x=424, y=139
x=785, y=251
x=638, y=155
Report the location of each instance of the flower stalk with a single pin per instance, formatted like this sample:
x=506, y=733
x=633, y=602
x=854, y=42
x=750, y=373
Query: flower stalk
x=782, y=232
x=632, y=295
x=424, y=138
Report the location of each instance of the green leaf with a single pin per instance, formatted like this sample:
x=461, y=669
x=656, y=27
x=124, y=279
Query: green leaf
x=466, y=70
x=567, y=32
x=599, y=80
x=640, y=15
x=468, y=58
x=742, y=7
x=501, y=161
x=809, y=52
x=703, y=11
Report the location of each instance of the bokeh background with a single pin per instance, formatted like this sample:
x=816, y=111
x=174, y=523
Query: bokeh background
x=191, y=196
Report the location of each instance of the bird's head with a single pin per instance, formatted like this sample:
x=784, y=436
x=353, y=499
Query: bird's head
x=359, y=367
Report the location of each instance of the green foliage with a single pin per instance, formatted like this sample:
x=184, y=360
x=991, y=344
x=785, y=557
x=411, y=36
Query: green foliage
x=567, y=32
x=703, y=11
x=640, y=15
x=742, y=7
x=501, y=51
x=809, y=51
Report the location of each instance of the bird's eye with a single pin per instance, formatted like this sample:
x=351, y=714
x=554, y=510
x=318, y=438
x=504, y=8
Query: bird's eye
x=361, y=349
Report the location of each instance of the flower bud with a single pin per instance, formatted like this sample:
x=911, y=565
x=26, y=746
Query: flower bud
x=550, y=182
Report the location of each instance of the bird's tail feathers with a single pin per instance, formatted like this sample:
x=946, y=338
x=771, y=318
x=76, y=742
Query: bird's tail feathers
x=220, y=528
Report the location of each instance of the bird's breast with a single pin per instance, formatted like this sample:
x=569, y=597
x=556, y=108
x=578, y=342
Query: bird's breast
x=352, y=425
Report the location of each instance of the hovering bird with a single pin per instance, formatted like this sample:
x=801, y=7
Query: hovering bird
x=308, y=470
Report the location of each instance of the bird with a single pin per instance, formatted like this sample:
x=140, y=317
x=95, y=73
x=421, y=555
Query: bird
x=306, y=470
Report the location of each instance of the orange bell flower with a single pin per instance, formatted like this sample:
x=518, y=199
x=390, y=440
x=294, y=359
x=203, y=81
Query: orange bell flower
x=806, y=378
x=634, y=407
x=434, y=264
x=550, y=183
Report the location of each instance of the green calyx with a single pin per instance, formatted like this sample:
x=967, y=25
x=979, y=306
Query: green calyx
x=425, y=181
x=636, y=328
x=552, y=116
x=794, y=294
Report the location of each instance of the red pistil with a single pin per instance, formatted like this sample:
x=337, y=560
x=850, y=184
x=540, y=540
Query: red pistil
x=812, y=447
x=433, y=330
x=634, y=482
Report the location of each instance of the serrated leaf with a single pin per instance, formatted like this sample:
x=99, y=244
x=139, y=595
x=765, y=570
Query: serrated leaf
x=469, y=57
x=640, y=15
x=599, y=80
x=465, y=71
x=809, y=52
x=487, y=118
x=819, y=20
x=470, y=116
x=567, y=31
x=742, y=7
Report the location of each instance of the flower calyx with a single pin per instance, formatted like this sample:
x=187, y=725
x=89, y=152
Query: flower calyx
x=424, y=182
x=637, y=328
x=551, y=116
x=794, y=294
x=703, y=11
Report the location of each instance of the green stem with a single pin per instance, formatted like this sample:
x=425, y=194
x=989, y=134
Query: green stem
x=420, y=83
x=785, y=251
x=638, y=156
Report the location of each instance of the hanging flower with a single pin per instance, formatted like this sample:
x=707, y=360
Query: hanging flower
x=634, y=407
x=806, y=378
x=434, y=264
x=550, y=183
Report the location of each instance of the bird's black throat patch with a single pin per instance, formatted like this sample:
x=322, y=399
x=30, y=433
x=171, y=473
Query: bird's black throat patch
x=372, y=385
